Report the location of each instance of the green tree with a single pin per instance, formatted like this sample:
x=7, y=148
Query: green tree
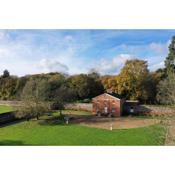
x=6, y=74
x=85, y=86
x=166, y=90
x=34, y=98
x=170, y=59
x=61, y=97
x=8, y=87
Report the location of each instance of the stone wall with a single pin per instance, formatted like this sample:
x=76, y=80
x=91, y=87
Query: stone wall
x=79, y=106
x=140, y=109
x=10, y=103
x=156, y=110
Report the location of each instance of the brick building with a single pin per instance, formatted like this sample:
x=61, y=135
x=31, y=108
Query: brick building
x=109, y=104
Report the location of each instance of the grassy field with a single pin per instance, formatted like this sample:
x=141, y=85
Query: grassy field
x=4, y=109
x=48, y=133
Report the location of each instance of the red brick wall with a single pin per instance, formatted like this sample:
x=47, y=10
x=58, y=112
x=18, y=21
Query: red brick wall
x=113, y=105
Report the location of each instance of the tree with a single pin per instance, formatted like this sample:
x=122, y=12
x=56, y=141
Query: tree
x=110, y=83
x=132, y=81
x=94, y=74
x=166, y=90
x=33, y=97
x=8, y=87
x=85, y=86
x=6, y=74
x=62, y=96
x=20, y=83
x=55, y=81
x=29, y=109
x=170, y=59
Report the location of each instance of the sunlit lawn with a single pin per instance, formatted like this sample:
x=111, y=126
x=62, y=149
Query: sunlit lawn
x=4, y=109
x=57, y=133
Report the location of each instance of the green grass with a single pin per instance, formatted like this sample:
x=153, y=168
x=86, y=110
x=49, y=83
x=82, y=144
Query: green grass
x=37, y=133
x=4, y=109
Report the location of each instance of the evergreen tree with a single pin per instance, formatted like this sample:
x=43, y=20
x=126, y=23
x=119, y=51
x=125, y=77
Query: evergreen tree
x=6, y=74
x=170, y=59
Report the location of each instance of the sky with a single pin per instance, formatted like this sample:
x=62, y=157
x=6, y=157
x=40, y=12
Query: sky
x=24, y=52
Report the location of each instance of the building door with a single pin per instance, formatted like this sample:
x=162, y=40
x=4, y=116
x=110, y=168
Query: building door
x=106, y=109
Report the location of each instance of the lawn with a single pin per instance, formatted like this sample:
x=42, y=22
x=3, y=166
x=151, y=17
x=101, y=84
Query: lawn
x=46, y=133
x=4, y=109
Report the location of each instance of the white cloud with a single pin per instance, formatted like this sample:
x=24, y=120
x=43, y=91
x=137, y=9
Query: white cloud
x=157, y=66
x=50, y=65
x=3, y=35
x=159, y=48
x=23, y=52
x=114, y=65
x=4, y=52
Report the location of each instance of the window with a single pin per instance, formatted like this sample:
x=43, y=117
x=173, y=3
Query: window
x=113, y=110
x=131, y=109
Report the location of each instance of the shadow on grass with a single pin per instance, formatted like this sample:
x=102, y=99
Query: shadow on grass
x=12, y=122
x=75, y=119
x=51, y=121
x=59, y=120
x=11, y=142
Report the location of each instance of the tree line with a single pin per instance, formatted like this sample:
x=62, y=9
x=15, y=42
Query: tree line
x=78, y=87
x=135, y=82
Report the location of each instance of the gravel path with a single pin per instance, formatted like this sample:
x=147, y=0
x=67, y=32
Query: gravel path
x=117, y=123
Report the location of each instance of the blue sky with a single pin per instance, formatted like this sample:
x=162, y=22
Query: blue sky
x=78, y=51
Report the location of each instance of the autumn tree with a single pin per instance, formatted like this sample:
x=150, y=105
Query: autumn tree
x=133, y=80
x=110, y=83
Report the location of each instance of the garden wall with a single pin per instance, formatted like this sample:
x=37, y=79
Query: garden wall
x=79, y=106
x=155, y=110
x=10, y=103
x=140, y=109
